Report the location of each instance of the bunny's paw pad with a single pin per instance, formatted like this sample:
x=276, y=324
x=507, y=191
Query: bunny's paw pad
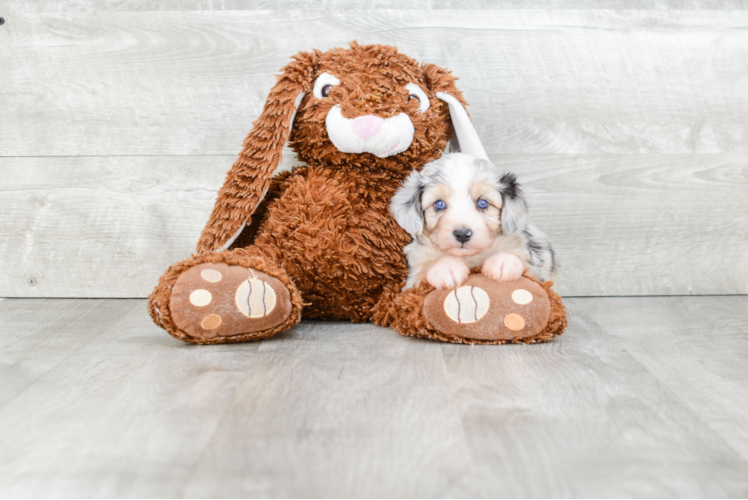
x=217, y=300
x=484, y=309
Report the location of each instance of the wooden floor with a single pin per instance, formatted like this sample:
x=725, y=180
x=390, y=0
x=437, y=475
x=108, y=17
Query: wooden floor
x=641, y=397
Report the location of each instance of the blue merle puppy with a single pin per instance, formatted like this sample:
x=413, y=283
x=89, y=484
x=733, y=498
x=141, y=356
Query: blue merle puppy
x=462, y=212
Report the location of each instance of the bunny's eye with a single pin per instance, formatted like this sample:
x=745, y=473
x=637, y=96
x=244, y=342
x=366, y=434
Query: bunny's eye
x=440, y=205
x=417, y=92
x=483, y=204
x=323, y=85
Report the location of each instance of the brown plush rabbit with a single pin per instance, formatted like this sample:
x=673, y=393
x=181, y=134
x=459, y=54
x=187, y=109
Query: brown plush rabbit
x=319, y=240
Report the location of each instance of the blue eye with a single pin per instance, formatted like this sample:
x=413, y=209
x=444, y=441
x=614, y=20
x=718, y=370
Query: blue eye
x=440, y=205
x=482, y=204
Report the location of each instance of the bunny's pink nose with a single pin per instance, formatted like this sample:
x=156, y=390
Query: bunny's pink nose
x=367, y=126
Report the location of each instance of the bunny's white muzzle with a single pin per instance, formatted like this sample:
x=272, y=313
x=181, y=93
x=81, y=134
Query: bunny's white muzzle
x=381, y=137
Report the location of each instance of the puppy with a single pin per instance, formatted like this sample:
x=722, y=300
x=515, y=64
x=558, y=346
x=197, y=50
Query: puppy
x=462, y=213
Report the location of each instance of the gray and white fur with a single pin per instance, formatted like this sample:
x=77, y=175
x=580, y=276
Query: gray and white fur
x=462, y=212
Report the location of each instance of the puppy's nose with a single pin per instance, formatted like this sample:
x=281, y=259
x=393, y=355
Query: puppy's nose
x=462, y=235
x=367, y=126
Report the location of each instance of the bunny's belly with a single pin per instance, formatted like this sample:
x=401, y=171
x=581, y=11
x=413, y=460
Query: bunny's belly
x=332, y=232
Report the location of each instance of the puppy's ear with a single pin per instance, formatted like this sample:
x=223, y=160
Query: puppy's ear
x=465, y=138
x=406, y=204
x=514, y=206
x=248, y=180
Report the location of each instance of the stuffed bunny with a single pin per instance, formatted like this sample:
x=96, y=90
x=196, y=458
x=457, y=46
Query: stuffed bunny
x=319, y=241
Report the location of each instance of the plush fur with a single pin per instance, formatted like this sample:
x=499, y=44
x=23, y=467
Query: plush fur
x=158, y=304
x=402, y=310
x=324, y=229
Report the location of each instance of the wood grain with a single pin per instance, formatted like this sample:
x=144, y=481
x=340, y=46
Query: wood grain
x=625, y=122
x=704, y=366
x=587, y=401
x=540, y=81
x=622, y=224
x=627, y=126
x=32, y=348
x=641, y=224
x=35, y=6
x=98, y=402
x=88, y=227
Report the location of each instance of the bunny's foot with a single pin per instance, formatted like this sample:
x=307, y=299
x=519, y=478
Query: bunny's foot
x=230, y=296
x=216, y=301
x=485, y=309
x=481, y=311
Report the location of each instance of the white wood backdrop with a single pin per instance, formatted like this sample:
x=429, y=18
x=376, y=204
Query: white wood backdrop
x=628, y=127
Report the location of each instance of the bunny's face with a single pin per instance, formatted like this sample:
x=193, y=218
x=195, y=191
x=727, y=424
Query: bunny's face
x=374, y=108
x=366, y=108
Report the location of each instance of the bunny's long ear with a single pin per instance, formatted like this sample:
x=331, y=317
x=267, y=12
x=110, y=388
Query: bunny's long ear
x=466, y=139
x=249, y=178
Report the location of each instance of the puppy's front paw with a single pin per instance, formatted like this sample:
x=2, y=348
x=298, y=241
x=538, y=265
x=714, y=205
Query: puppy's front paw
x=503, y=267
x=447, y=272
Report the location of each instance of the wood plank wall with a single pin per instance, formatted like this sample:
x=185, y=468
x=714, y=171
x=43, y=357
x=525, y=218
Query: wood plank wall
x=627, y=126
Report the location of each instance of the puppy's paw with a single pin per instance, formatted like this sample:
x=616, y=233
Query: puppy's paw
x=447, y=272
x=503, y=267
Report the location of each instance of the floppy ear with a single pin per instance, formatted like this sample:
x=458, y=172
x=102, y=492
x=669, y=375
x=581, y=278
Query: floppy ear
x=406, y=204
x=249, y=178
x=514, y=206
x=442, y=83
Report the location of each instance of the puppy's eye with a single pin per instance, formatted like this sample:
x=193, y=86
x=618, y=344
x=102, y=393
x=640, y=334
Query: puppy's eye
x=482, y=204
x=440, y=205
x=411, y=97
x=326, y=90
